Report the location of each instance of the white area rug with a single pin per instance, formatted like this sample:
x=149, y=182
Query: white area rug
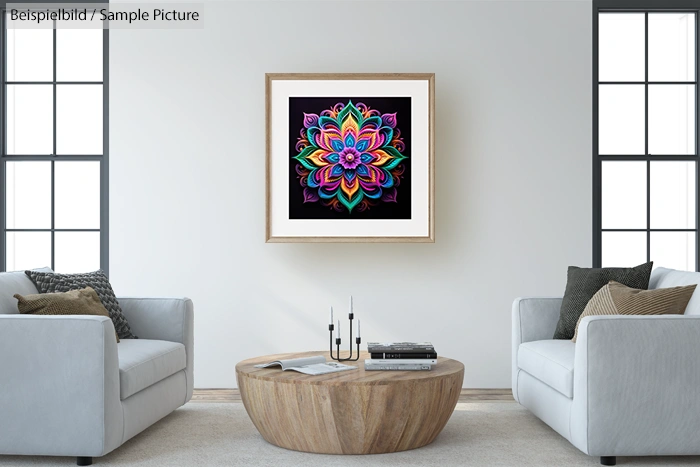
x=478, y=434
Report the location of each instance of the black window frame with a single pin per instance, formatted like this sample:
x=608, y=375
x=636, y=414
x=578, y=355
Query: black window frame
x=643, y=6
x=103, y=158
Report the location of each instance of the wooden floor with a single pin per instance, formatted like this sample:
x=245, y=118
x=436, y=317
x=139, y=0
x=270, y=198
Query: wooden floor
x=468, y=395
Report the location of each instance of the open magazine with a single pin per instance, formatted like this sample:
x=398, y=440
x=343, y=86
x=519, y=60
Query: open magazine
x=309, y=365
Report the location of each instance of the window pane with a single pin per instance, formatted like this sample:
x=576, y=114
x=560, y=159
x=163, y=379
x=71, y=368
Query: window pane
x=79, y=54
x=28, y=250
x=77, y=195
x=621, y=119
x=671, y=119
x=621, y=47
x=624, y=195
x=79, y=119
x=675, y=250
x=28, y=195
x=29, y=54
x=77, y=252
x=624, y=249
x=671, y=47
x=30, y=119
x=672, y=195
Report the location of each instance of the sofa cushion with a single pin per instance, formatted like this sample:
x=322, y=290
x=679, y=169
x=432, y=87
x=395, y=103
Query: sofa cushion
x=144, y=362
x=12, y=283
x=583, y=283
x=76, y=302
x=53, y=282
x=662, y=278
x=617, y=299
x=550, y=361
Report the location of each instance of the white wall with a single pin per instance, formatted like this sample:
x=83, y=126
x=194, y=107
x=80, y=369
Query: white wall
x=513, y=154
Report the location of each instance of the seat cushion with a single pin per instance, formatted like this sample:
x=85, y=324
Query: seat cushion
x=144, y=362
x=662, y=278
x=550, y=361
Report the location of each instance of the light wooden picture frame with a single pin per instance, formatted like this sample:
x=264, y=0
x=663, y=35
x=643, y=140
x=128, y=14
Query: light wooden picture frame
x=350, y=157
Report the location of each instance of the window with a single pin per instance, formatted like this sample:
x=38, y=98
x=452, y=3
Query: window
x=54, y=149
x=645, y=143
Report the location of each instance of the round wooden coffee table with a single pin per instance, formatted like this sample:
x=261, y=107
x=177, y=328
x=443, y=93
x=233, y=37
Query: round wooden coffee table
x=352, y=412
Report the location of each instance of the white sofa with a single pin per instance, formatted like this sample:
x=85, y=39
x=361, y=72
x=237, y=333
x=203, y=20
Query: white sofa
x=629, y=386
x=68, y=389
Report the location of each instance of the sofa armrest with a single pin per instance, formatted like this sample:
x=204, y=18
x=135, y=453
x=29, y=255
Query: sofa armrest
x=636, y=383
x=59, y=385
x=166, y=319
x=533, y=319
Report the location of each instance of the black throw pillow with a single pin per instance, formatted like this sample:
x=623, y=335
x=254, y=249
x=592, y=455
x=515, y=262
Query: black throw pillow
x=47, y=282
x=583, y=283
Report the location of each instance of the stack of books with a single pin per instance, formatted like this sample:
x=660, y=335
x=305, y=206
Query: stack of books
x=402, y=356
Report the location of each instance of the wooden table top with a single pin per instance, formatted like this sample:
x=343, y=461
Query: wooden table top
x=445, y=367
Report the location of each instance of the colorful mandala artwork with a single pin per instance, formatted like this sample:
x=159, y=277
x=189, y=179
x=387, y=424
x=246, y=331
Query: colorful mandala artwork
x=350, y=157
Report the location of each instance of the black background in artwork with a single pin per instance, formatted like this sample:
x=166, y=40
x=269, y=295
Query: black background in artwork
x=382, y=210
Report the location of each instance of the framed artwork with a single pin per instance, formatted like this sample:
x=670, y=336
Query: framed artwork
x=350, y=157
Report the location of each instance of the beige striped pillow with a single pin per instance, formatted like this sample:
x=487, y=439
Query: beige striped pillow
x=618, y=299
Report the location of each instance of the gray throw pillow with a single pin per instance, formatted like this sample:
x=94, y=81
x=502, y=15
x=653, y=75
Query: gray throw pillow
x=52, y=282
x=583, y=283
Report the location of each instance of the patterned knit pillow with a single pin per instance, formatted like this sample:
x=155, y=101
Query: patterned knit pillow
x=76, y=302
x=52, y=282
x=583, y=283
x=617, y=299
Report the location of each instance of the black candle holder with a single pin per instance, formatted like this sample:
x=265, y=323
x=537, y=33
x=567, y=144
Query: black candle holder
x=331, y=327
